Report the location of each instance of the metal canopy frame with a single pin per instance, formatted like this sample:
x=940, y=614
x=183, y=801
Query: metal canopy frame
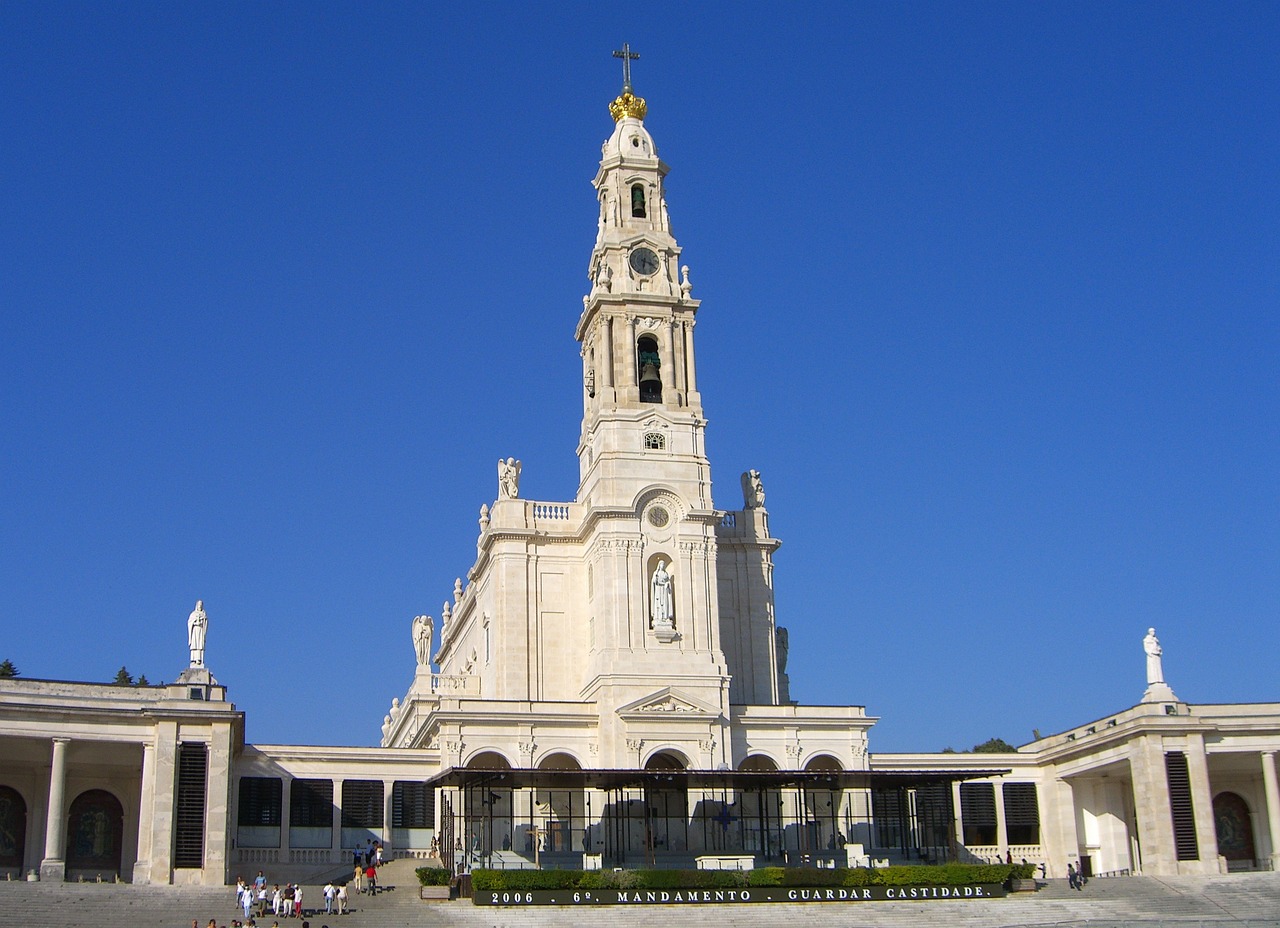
x=644, y=819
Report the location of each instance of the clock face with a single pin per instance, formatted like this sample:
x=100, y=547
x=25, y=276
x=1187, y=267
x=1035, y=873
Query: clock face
x=644, y=261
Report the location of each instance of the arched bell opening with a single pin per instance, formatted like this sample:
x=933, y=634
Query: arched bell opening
x=637, y=201
x=649, y=364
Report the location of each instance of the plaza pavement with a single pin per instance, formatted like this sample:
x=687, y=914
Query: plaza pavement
x=1250, y=900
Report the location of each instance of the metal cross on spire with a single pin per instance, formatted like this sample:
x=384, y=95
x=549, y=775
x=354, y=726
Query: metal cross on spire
x=627, y=56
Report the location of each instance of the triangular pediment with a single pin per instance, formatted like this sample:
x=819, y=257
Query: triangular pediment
x=665, y=701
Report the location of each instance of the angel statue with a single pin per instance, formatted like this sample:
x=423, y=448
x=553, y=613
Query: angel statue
x=422, y=639
x=508, y=478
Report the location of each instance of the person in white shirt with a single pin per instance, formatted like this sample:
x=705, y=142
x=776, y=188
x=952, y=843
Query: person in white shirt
x=342, y=899
x=276, y=900
x=329, y=893
x=297, y=901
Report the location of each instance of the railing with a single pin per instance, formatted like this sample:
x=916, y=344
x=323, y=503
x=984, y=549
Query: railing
x=415, y=854
x=551, y=511
x=312, y=855
x=257, y=855
x=456, y=684
x=730, y=520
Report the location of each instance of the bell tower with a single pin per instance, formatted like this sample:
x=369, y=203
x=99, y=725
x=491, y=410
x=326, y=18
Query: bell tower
x=640, y=396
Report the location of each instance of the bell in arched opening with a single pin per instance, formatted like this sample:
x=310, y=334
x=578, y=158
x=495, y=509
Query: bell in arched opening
x=650, y=370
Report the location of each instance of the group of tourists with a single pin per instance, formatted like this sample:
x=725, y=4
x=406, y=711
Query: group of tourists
x=366, y=860
x=255, y=899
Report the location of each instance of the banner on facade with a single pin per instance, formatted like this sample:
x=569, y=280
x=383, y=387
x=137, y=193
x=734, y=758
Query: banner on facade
x=512, y=897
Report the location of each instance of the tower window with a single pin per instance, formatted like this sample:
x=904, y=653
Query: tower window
x=655, y=441
x=637, y=201
x=650, y=367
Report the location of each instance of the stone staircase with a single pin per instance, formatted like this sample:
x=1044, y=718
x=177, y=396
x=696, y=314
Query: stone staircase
x=1239, y=901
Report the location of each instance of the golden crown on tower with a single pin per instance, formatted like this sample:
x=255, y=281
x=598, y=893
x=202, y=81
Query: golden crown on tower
x=628, y=105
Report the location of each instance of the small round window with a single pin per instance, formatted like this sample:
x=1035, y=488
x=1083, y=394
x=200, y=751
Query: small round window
x=658, y=517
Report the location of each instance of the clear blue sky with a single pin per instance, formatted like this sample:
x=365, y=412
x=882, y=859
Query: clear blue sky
x=989, y=296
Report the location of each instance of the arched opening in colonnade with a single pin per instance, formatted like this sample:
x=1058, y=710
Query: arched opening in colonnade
x=95, y=836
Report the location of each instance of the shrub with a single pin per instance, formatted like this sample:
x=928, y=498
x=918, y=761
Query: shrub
x=910, y=875
x=691, y=879
x=859, y=876
x=812, y=876
x=765, y=876
x=433, y=876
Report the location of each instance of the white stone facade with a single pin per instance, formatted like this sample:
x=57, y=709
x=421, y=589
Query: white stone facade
x=628, y=629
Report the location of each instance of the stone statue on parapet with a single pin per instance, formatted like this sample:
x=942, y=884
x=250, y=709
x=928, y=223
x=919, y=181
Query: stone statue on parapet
x=752, y=490
x=1157, y=689
x=508, y=478
x=197, y=627
x=422, y=639
x=1155, y=670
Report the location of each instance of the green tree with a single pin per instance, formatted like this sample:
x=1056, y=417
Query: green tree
x=123, y=677
x=994, y=746
x=142, y=680
x=7, y=669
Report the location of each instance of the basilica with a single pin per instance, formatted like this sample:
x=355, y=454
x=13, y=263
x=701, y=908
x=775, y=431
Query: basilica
x=608, y=687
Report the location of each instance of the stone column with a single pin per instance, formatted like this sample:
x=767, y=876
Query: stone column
x=1002, y=833
x=54, y=864
x=1272, y=791
x=639, y=571
x=689, y=356
x=335, y=836
x=1059, y=813
x=286, y=789
x=142, y=866
x=667, y=352
x=675, y=336
x=633, y=383
x=1202, y=806
x=957, y=824
x=605, y=358
x=218, y=821
x=1151, y=807
x=388, y=791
